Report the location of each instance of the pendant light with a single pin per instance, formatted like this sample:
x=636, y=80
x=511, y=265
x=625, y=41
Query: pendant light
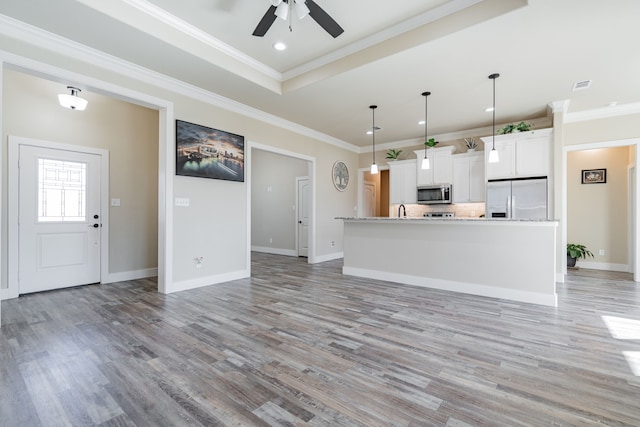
x=493, y=154
x=73, y=101
x=425, y=161
x=374, y=167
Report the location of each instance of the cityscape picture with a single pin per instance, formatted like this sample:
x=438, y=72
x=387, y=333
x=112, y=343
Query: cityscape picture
x=208, y=153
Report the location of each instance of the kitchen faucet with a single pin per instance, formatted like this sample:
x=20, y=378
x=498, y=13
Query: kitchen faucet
x=404, y=209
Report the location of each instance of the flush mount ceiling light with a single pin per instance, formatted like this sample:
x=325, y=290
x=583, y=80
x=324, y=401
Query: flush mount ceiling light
x=425, y=161
x=72, y=101
x=279, y=46
x=493, y=154
x=374, y=167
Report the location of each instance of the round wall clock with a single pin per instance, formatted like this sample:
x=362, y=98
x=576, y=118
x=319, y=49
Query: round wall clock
x=340, y=175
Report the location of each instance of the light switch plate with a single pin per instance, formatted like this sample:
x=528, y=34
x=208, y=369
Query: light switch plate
x=182, y=201
x=115, y=202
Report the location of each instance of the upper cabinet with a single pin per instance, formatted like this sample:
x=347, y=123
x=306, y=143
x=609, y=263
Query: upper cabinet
x=524, y=154
x=468, y=178
x=402, y=182
x=441, y=166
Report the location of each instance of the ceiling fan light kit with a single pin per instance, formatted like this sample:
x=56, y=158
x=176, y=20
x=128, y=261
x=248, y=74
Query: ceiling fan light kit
x=302, y=8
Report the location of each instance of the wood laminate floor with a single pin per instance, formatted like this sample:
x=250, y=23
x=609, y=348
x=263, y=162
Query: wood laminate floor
x=303, y=345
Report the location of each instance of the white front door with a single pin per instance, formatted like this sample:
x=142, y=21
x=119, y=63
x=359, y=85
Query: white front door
x=303, y=216
x=59, y=219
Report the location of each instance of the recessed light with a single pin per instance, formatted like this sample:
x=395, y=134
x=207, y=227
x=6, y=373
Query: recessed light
x=279, y=46
x=488, y=109
x=421, y=122
x=377, y=129
x=612, y=104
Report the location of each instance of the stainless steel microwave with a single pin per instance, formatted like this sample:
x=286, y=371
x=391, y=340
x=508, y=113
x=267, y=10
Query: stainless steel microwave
x=435, y=194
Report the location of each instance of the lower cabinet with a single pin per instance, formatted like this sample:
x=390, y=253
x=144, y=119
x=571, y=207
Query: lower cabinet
x=402, y=182
x=468, y=178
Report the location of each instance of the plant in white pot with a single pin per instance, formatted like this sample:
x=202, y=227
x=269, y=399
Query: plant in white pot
x=576, y=251
x=471, y=144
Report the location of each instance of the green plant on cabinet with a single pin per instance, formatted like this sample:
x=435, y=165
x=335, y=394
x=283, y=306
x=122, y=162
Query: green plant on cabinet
x=511, y=128
x=392, y=154
x=431, y=142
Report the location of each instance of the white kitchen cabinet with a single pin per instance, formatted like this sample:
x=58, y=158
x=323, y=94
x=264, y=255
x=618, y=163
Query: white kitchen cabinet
x=402, y=182
x=468, y=178
x=524, y=154
x=441, y=166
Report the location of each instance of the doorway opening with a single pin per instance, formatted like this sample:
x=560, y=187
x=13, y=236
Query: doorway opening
x=603, y=215
x=282, y=200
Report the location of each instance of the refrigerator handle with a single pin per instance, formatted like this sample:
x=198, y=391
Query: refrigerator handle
x=509, y=206
x=513, y=207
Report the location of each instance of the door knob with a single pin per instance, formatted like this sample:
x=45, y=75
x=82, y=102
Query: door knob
x=96, y=225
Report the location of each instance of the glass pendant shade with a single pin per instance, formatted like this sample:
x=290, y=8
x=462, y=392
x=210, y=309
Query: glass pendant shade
x=493, y=156
x=425, y=163
x=374, y=169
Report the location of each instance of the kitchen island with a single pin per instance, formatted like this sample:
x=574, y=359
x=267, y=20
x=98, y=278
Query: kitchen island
x=509, y=259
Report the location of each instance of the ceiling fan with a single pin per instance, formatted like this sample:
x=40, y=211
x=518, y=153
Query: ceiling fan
x=284, y=8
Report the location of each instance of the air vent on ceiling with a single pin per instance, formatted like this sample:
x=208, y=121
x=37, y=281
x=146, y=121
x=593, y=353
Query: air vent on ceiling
x=585, y=84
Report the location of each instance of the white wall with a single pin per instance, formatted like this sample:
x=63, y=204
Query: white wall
x=597, y=214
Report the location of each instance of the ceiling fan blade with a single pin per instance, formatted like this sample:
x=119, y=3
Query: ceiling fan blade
x=266, y=22
x=323, y=19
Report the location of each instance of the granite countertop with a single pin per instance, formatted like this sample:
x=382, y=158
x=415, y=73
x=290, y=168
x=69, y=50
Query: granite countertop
x=440, y=219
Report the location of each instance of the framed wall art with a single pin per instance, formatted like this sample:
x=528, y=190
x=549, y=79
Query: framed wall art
x=208, y=153
x=594, y=176
x=340, y=175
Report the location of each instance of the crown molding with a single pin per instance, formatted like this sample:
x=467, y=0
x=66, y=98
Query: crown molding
x=603, y=113
x=29, y=34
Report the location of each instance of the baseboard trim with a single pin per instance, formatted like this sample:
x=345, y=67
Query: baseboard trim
x=453, y=286
x=328, y=257
x=124, y=276
x=604, y=266
x=185, y=285
x=274, y=251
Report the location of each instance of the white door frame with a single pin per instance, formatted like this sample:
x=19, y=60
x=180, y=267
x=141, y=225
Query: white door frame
x=166, y=154
x=13, y=198
x=297, y=226
x=311, y=259
x=635, y=239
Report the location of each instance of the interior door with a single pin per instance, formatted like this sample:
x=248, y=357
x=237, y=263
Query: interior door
x=59, y=219
x=303, y=217
x=369, y=200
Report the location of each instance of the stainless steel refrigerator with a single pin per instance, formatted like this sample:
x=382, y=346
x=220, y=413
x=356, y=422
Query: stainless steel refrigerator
x=523, y=198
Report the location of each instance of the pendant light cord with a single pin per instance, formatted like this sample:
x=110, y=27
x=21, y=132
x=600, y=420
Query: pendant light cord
x=373, y=131
x=426, y=116
x=494, y=77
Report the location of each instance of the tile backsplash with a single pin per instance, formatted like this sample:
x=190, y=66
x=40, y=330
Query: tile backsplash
x=461, y=210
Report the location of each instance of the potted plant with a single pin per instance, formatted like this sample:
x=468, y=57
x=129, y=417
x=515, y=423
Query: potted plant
x=576, y=251
x=431, y=142
x=520, y=127
x=471, y=144
x=392, y=154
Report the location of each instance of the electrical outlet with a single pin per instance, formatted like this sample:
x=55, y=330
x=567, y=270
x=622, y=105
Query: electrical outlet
x=333, y=244
x=270, y=240
x=601, y=252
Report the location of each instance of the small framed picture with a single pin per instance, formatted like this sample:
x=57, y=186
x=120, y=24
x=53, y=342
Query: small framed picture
x=594, y=176
x=340, y=175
